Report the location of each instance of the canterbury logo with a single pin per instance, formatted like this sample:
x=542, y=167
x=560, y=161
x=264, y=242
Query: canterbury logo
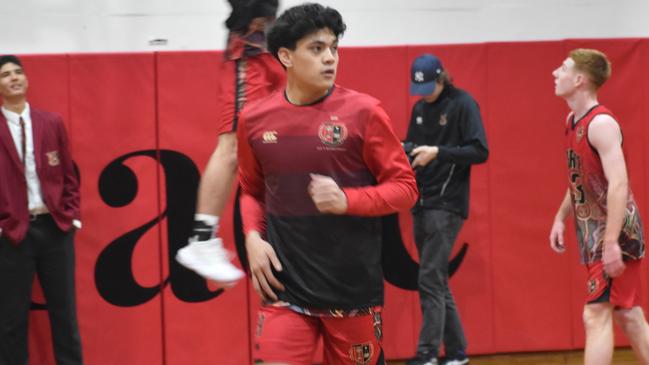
x=270, y=137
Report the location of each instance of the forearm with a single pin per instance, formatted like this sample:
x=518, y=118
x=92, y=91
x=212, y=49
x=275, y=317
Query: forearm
x=396, y=187
x=616, y=199
x=386, y=198
x=252, y=234
x=464, y=155
x=252, y=214
x=564, y=208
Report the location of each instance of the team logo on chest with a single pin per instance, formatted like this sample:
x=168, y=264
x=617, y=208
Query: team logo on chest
x=332, y=133
x=443, y=120
x=580, y=133
x=53, y=158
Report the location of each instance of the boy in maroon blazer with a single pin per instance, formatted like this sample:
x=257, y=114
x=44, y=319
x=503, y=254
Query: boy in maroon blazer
x=39, y=211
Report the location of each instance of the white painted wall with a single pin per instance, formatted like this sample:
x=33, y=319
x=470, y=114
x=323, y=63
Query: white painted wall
x=59, y=26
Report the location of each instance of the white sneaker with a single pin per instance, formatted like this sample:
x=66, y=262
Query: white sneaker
x=463, y=361
x=210, y=260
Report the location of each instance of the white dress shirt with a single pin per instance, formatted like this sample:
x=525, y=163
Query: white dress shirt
x=34, y=192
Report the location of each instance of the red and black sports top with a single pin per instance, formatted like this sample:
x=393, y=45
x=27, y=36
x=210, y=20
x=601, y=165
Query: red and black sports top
x=329, y=261
x=589, y=188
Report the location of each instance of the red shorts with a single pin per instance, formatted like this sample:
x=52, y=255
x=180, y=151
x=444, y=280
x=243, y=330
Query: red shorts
x=288, y=337
x=621, y=292
x=244, y=80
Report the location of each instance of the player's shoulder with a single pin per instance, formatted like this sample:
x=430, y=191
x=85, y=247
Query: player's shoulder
x=44, y=116
x=263, y=105
x=602, y=116
x=604, y=119
x=358, y=99
x=462, y=95
x=41, y=113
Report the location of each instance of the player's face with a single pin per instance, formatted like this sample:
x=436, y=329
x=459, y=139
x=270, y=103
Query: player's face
x=314, y=61
x=565, y=78
x=13, y=82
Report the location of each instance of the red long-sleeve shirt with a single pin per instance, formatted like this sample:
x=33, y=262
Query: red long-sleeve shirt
x=330, y=261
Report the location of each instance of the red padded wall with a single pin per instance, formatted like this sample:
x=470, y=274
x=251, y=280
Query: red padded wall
x=113, y=114
x=513, y=292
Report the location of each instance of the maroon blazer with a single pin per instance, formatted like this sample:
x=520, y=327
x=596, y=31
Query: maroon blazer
x=59, y=182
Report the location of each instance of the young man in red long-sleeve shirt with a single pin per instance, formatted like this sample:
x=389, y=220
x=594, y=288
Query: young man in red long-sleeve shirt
x=318, y=165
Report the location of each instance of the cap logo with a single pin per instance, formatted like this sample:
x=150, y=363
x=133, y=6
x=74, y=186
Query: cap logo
x=419, y=76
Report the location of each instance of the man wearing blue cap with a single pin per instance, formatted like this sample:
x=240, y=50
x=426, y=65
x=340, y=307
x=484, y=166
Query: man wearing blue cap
x=446, y=130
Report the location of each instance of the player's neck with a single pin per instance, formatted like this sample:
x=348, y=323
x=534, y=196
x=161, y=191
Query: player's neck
x=16, y=105
x=581, y=103
x=302, y=95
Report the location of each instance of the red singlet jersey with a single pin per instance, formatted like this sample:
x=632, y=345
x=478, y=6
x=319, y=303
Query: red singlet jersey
x=589, y=188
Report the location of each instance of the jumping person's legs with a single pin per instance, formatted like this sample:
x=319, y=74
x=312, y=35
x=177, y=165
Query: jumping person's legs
x=241, y=81
x=216, y=183
x=205, y=253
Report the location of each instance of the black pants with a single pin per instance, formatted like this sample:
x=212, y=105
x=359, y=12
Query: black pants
x=49, y=252
x=435, y=233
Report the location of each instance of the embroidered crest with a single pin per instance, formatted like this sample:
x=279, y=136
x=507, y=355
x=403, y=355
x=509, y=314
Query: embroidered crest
x=361, y=354
x=443, y=120
x=53, y=158
x=419, y=76
x=332, y=134
x=580, y=133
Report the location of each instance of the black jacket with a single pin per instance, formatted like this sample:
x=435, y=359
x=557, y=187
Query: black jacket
x=453, y=123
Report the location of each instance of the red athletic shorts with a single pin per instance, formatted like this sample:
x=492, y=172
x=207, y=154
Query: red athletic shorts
x=244, y=80
x=621, y=292
x=287, y=337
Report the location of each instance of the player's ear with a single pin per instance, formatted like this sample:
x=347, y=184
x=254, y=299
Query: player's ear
x=580, y=78
x=285, y=56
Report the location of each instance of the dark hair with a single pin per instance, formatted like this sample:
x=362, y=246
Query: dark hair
x=244, y=11
x=445, y=78
x=299, y=21
x=10, y=59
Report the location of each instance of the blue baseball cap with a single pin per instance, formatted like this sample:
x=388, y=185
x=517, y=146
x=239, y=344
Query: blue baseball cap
x=423, y=73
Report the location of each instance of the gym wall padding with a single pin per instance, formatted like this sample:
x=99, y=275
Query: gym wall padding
x=141, y=129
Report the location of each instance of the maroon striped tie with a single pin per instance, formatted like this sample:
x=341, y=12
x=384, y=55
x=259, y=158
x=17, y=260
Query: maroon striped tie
x=23, y=140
